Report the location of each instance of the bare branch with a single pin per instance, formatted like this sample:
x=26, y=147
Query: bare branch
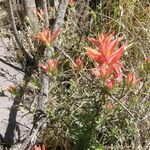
x=45, y=12
x=61, y=14
x=45, y=81
x=28, y=6
x=15, y=32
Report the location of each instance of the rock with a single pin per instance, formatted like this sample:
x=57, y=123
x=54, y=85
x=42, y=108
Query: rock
x=23, y=123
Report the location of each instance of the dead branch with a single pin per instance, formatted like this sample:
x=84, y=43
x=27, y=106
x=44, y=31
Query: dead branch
x=28, y=7
x=45, y=12
x=61, y=14
x=15, y=32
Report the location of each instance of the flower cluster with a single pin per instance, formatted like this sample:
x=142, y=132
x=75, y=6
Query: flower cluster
x=39, y=147
x=78, y=65
x=51, y=67
x=131, y=79
x=107, y=58
x=47, y=37
x=72, y=2
x=107, y=54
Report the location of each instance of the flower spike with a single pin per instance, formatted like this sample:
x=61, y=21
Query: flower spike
x=47, y=37
x=131, y=79
x=78, y=65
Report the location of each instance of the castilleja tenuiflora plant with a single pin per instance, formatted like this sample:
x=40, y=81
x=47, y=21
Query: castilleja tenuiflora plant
x=106, y=55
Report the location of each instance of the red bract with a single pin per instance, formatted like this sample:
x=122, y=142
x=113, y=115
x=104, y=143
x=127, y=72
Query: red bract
x=47, y=37
x=103, y=71
x=117, y=71
x=51, y=66
x=110, y=106
x=131, y=79
x=94, y=54
x=72, y=2
x=110, y=83
x=107, y=54
x=45, y=68
x=39, y=147
x=78, y=65
x=147, y=60
x=105, y=49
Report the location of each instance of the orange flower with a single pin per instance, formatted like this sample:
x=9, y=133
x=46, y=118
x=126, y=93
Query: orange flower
x=103, y=71
x=108, y=74
x=107, y=54
x=94, y=54
x=110, y=83
x=147, y=60
x=131, y=79
x=116, y=68
x=51, y=67
x=47, y=37
x=110, y=106
x=72, y=2
x=39, y=147
x=105, y=49
x=78, y=65
x=12, y=89
x=45, y=68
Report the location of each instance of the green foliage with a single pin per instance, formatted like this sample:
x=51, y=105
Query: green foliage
x=80, y=100
x=81, y=109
